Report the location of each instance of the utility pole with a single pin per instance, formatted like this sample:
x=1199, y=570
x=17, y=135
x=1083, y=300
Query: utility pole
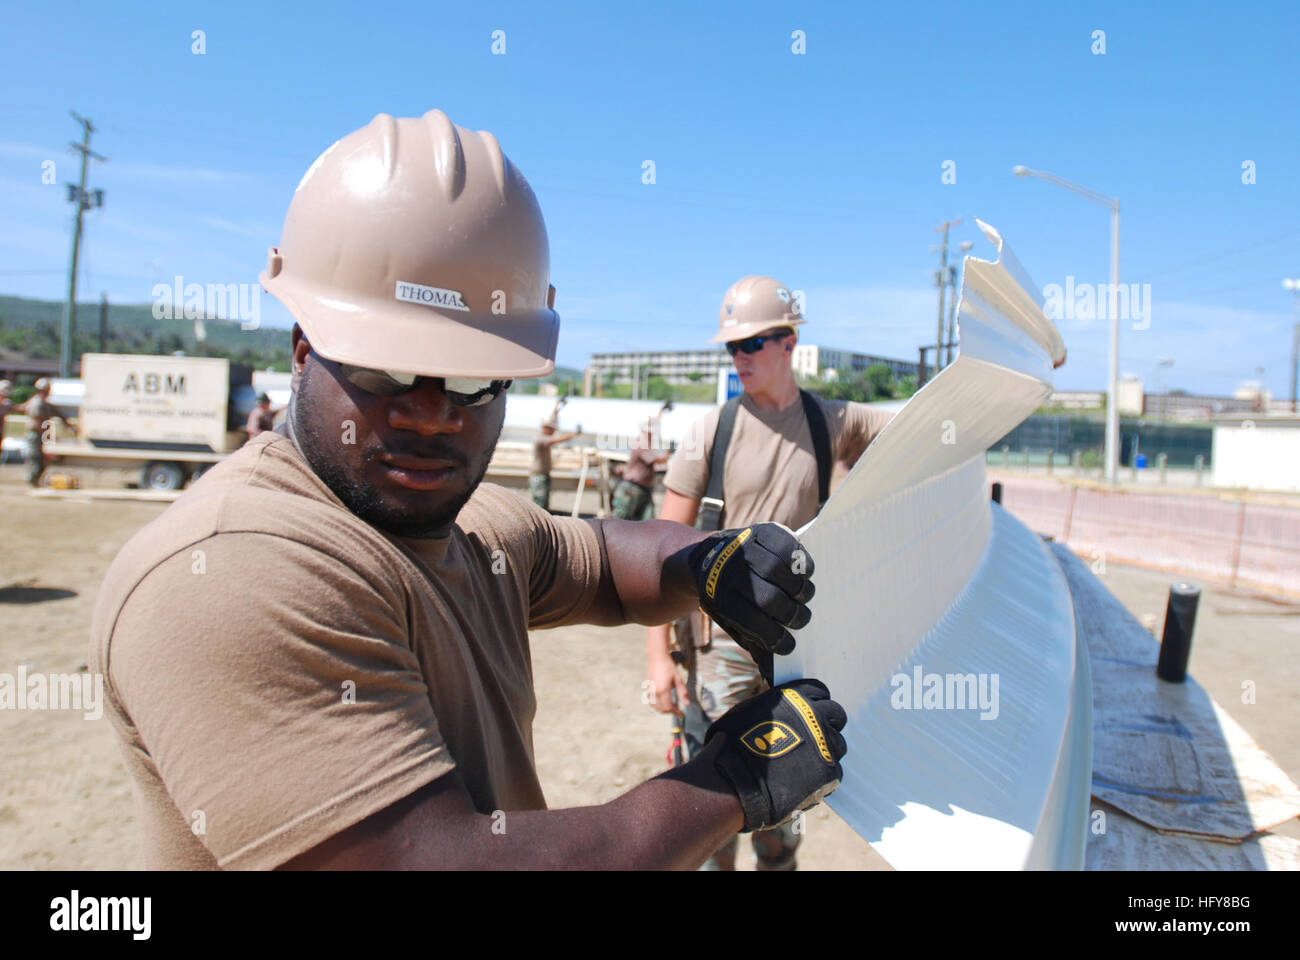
x=103, y=322
x=941, y=281
x=84, y=202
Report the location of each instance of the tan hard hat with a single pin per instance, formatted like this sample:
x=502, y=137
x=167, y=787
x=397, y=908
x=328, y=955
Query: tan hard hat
x=414, y=245
x=754, y=304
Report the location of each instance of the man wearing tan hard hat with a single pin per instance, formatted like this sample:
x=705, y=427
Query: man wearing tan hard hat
x=766, y=455
x=319, y=656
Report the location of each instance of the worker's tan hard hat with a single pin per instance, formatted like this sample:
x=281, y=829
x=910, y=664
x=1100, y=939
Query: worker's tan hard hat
x=414, y=245
x=754, y=304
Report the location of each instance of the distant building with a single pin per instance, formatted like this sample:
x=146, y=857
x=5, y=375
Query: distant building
x=675, y=366
x=701, y=366
x=1175, y=405
x=811, y=360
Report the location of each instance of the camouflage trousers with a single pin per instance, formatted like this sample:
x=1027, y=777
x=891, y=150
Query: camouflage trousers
x=633, y=501
x=34, y=457
x=539, y=488
x=722, y=677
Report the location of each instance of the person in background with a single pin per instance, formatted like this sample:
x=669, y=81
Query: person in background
x=773, y=473
x=41, y=415
x=539, y=478
x=634, y=495
x=5, y=407
x=262, y=417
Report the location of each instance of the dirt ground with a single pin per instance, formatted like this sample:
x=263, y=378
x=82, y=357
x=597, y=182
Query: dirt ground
x=65, y=798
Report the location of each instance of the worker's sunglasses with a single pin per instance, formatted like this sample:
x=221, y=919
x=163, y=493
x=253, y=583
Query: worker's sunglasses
x=462, y=391
x=754, y=344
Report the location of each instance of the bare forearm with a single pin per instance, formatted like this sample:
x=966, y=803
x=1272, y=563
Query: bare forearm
x=647, y=561
x=657, y=642
x=673, y=822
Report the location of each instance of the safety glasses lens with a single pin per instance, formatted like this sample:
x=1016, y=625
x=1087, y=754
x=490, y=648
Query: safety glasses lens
x=462, y=391
x=379, y=382
x=473, y=393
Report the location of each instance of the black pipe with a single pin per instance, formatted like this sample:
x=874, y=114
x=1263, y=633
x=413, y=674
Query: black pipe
x=1176, y=642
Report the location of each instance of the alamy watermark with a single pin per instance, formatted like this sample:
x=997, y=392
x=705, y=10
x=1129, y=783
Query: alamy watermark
x=1095, y=301
x=75, y=913
x=200, y=301
x=53, y=691
x=946, y=691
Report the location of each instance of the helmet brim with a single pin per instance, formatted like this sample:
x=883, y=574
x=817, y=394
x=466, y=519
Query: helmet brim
x=412, y=338
x=743, y=331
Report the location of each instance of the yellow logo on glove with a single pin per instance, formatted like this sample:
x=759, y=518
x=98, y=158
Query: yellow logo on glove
x=771, y=738
x=810, y=719
x=711, y=584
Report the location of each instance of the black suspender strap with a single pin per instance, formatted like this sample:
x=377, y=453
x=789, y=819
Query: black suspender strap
x=712, y=505
x=821, y=445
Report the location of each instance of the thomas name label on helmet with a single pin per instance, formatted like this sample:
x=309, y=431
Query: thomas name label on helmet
x=430, y=296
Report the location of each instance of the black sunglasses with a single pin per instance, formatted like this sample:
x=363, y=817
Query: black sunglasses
x=462, y=391
x=754, y=344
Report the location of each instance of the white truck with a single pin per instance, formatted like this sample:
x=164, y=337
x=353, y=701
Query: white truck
x=169, y=417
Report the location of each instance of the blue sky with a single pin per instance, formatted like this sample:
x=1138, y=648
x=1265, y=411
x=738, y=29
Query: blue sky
x=822, y=169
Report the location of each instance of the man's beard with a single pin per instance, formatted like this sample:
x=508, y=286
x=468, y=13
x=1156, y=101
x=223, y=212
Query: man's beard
x=362, y=499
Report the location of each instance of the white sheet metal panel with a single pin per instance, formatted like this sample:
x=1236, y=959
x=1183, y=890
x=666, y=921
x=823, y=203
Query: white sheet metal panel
x=922, y=584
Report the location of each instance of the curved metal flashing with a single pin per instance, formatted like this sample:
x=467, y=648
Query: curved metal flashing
x=944, y=625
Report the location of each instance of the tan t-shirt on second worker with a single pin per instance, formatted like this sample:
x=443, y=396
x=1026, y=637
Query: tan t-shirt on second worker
x=771, y=469
x=278, y=670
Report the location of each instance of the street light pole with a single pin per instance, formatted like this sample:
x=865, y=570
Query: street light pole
x=1112, y=396
x=1294, y=286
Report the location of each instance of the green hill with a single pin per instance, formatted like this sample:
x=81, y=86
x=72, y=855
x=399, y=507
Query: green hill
x=31, y=328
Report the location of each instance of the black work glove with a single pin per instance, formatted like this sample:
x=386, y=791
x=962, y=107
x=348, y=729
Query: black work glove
x=754, y=583
x=781, y=751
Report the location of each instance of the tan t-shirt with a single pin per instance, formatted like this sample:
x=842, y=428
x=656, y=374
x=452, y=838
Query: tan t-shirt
x=541, y=456
x=279, y=670
x=640, y=467
x=771, y=469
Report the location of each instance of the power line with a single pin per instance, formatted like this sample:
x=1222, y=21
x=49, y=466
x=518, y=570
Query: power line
x=1230, y=252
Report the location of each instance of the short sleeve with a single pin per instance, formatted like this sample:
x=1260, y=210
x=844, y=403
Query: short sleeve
x=688, y=468
x=569, y=567
x=282, y=702
x=862, y=423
